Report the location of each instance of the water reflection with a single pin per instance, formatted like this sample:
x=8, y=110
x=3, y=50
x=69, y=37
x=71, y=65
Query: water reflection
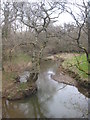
x=24, y=76
x=29, y=108
x=51, y=101
x=63, y=105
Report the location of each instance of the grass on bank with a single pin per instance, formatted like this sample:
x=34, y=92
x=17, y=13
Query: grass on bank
x=71, y=64
x=11, y=89
x=18, y=58
x=17, y=63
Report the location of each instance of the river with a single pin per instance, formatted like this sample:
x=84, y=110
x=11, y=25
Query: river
x=52, y=100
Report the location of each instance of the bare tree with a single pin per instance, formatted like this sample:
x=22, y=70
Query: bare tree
x=81, y=21
x=37, y=16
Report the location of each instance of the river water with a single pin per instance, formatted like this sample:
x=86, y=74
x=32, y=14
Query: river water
x=53, y=99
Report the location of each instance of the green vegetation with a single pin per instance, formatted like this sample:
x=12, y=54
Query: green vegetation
x=13, y=90
x=9, y=75
x=23, y=86
x=17, y=64
x=19, y=58
x=78, y=64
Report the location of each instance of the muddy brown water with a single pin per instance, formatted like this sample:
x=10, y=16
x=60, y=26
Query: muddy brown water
x=53, y=99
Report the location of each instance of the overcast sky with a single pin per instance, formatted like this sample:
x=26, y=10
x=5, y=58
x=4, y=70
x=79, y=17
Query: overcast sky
x=63, y=18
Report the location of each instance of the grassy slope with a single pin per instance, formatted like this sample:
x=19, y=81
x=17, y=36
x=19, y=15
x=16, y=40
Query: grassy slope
x=20, y=57
x=18, y=64
x=21, y=60
x=71, y=62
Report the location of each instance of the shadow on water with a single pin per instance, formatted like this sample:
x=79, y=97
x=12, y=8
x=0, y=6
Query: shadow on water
x=53, y=99
x=30, y=108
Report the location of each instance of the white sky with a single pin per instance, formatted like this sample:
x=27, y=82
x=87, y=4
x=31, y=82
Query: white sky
x=63, y=18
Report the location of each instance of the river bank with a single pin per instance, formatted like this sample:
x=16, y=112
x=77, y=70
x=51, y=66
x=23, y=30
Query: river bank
x=69, y=76
x=66, y=100
x=12, y=88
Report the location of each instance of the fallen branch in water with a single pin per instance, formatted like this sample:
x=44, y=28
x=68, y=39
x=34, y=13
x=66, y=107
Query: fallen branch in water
x=62, y=88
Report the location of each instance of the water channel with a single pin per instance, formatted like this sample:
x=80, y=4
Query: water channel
x=52, y=100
